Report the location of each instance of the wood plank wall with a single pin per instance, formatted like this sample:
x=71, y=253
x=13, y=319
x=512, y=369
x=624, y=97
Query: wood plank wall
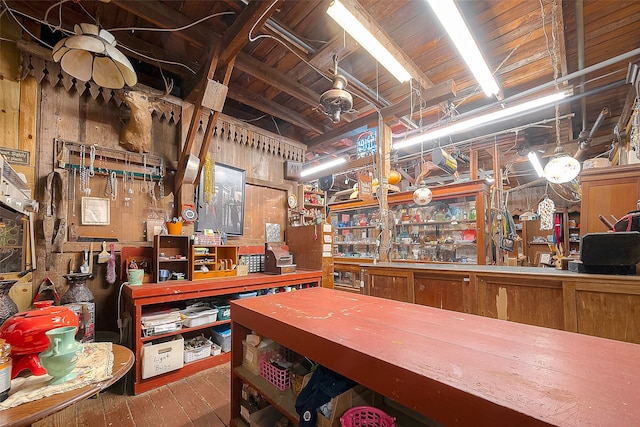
x=53, y=111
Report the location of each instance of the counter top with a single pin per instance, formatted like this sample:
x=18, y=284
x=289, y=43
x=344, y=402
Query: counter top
x=504, y=270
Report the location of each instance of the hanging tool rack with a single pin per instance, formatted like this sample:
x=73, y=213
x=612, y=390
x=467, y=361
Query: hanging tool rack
x=107, y=161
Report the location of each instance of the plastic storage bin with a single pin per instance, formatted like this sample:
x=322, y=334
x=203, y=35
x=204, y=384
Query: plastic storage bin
x=224, y=312
x=277, y=376
x=251, y=354
x=197, y=316
x=366, y=416
x=221, y=335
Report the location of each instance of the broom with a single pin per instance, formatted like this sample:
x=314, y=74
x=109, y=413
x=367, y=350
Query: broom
x=111, y=267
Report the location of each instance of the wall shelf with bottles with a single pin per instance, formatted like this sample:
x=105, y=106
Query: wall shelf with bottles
x=452, y=228
x=356, y=231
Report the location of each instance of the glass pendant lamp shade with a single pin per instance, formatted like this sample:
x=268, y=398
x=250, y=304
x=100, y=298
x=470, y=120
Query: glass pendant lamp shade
x=422, y=195
x=91, y=54
x=561, y=168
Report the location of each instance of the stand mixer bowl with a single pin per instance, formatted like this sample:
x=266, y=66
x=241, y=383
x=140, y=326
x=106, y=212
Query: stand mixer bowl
x=25, y=332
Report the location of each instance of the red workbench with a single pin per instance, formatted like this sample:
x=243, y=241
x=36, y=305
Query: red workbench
x=454, y=368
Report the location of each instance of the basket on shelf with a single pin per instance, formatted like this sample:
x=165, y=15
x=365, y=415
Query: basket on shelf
x=366, y=416
x=277, y=376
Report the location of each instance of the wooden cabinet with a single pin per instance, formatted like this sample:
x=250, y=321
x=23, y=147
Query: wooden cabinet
x=171, y=252
x=608, y=191
x=594, y=304
x=218, y=261
x=452, y=228
x=307, y=245
x=149, y=296
x=348, y=275
x=356, y=230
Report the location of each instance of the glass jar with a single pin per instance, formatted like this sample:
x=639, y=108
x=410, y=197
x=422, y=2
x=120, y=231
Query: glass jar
x=5, y=370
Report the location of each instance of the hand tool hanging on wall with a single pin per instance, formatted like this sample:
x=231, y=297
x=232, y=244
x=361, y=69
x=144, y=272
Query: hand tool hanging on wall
x=111, y=267
x=54, y=222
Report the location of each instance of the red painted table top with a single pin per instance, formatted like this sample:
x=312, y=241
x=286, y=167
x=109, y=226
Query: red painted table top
x=455, y=368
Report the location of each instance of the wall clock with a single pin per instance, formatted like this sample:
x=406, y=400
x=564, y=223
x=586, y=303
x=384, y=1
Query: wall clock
x=189, y=213
x=292, y=200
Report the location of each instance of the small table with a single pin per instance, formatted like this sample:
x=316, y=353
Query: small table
x=28, y=413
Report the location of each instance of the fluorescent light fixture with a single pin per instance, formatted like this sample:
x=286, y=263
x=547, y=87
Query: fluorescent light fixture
x=451, y=19
x=357, y=30
x=479, y=120
x=323, y=166
x=533, y=158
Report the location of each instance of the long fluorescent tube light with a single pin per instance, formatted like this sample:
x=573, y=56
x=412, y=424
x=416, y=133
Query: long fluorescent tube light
x=451, y=19
x=354, y=27
x=479, y=120
x=533, y=158
x=322, y=166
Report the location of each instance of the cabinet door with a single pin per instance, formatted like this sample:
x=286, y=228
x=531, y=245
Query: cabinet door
x=395, y=287
x=445, y=292
x=612, y=191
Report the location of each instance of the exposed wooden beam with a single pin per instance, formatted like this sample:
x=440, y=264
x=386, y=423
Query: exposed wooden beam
x=246, y=25
x=277, y=80
x=254, y=100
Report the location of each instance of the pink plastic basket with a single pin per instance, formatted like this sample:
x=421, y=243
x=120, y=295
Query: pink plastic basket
x=276, y=376
x=366, y=416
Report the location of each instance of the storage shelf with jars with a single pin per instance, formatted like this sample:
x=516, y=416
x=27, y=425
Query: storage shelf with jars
x=356, y=231
x=451, y=228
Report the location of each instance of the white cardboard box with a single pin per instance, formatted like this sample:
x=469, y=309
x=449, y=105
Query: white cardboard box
x=163, y=356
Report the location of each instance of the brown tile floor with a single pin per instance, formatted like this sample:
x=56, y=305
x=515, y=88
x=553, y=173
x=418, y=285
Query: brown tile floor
x=199, y=400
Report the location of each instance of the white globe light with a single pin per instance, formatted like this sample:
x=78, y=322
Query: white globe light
x=422, y=196
x=561, y=169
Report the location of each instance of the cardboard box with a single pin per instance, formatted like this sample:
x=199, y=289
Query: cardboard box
x=355, y=396
x=162, y=356
x=251, y=354
x=86, y=312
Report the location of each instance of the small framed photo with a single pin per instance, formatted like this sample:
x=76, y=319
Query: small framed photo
x=96, y=211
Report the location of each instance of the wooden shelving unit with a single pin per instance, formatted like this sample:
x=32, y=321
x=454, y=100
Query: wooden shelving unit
x=220, y=261
x=166, y=250
x=143, y=297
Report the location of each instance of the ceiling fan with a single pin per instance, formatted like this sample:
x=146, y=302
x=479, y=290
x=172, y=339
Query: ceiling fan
x=336, y=100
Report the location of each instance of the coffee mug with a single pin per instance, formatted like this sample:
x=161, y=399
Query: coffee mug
x=163, y=275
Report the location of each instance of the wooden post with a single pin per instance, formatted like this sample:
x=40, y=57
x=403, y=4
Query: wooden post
x=384, y=167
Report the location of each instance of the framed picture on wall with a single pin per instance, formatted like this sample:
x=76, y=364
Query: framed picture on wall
x=223, y=210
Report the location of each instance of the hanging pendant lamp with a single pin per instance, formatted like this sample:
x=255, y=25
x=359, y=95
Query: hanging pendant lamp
x=561, y=168
x=91, y=54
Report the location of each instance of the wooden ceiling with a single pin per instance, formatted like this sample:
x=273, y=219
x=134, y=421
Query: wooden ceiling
x=278, y=57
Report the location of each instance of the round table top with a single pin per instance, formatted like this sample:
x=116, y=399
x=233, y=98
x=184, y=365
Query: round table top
x=28, y=413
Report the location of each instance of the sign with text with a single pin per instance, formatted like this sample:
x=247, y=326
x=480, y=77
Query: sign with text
x=366, y=144
x=365, y=190
x=16, y=157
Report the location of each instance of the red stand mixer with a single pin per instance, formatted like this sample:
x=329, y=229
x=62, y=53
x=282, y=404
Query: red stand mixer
x=25, y=332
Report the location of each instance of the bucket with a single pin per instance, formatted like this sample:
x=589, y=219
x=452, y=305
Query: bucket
x=174, y=228
x=135, y=276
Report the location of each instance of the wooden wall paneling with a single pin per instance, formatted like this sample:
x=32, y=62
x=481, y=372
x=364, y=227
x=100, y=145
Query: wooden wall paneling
x=262, y=205
x=530, y=300
x=10, y=107
x=609, y=311
x=28, y=131
x=441, y=291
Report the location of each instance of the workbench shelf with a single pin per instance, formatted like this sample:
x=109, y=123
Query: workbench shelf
x=150, y=296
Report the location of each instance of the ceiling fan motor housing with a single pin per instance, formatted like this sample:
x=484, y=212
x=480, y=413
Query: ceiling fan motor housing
x=336, y=100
